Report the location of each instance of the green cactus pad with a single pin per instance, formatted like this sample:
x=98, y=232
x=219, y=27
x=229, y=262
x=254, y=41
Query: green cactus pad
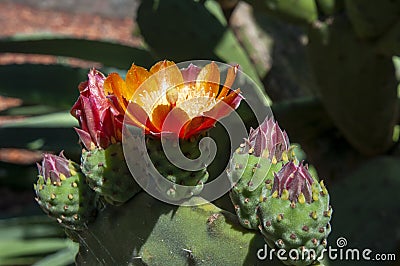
x=329, y=7
x=108, y=174
x=371, y=19
x=194, y=180
x=358, y=73
x=252, y=177
x=297, y=225
x=302, y=12
x=70, y=200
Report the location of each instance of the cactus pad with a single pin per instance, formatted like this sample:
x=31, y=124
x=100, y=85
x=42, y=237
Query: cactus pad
x=108, y=174
x=69, y=200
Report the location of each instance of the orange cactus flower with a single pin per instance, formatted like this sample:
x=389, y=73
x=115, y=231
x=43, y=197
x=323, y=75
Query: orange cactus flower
x=167, y=99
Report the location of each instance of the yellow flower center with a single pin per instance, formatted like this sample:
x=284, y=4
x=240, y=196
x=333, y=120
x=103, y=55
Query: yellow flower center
x=192, y=97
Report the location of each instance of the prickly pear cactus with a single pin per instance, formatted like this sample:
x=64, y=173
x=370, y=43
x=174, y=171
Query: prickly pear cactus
x=194, y=180
x=63, y=194
x=254, y=177
x=252, y=169
x=108, y=174
x=296, y=215
x=276, y=194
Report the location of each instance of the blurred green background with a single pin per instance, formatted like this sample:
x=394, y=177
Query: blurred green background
x=329, y=69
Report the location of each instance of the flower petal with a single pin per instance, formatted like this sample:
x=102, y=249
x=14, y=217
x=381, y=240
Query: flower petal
x=137, y=116
x=114, y=84
x=175, y=121
x=230, y=79
x=208, y=79
x=84, y=137
x=134, y=78
x=159, y=114
x=197, y=125
x=190, y=73
x=226, y=106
